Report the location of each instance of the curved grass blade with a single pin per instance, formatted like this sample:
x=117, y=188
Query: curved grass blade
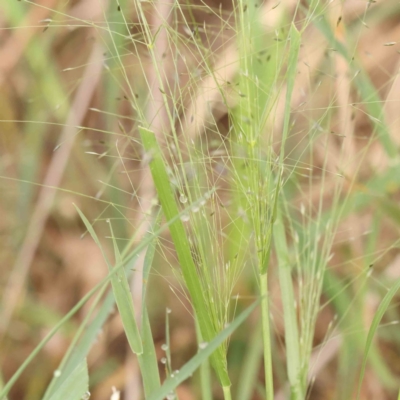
x=10, y=383
x=81, y=345
x=251, y=365
x=290, y=317
x=182, y=246
x=374, y=326
x=148, y=360
x=121, y=290
x=148, y=260
x=190, y=367
x=82, y=342
x=75, y=386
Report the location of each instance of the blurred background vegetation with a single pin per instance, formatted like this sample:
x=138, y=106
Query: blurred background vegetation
x=69, y=74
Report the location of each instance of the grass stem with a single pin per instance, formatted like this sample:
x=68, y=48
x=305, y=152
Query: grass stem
x=269, y=383
x=227, y=392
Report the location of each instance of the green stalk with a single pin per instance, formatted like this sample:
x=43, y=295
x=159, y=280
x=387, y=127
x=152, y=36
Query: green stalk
x=269, y=382
x=182, y=246
x=227, y=392
x=205, y=370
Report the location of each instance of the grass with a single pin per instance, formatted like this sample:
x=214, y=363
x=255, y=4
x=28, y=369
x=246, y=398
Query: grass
x=232, y=171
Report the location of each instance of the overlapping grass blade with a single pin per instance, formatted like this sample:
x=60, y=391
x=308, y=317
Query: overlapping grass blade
x=121, y=291
x=289, y=311
x=250, y=366
x=74, y=310
x=148, y=360
x=75, y=386
x=82, y=342
x=190, y=367
x=295, y=41
x=383, y=306
x=182, y=246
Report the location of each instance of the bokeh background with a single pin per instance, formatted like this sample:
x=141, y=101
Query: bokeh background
x=68, y=71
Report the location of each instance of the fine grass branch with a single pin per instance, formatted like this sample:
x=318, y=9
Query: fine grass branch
x=190, y=367
x=182, y=246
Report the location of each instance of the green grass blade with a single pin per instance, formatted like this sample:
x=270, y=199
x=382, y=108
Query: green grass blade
x=121, y=291
x=123, y=298
x=76, y=386
x=289, y=311
x=72, y=312
x=148, y=260
x=295, y=41
x=82, y=342
x=146, y=352
x=374, y=326
x=190, y=367
x=182, y=246
x=148, y=360
x=205, y=372
x=251, y=365
x=2, y=384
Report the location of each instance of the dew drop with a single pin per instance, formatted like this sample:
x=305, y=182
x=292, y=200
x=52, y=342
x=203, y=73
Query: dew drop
x=108, y=220
x=163, y=360
x=164, y=347
x=57, y=373
x=182, y=198
x=86, y=396
x=170, y=396
x=185, y=218
x=169, y=311
x=203, y=345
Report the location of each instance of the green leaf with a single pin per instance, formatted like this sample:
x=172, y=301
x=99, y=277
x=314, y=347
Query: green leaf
x=121, y=291
x=148, y=360
x=182, y=246
x=289, y=312
x=83, y=340
x=75, y=386
x=374, y=326
x=10, y=383
x=123, y=296
x=148, y=260
x=295, y=41
x=190, y=367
